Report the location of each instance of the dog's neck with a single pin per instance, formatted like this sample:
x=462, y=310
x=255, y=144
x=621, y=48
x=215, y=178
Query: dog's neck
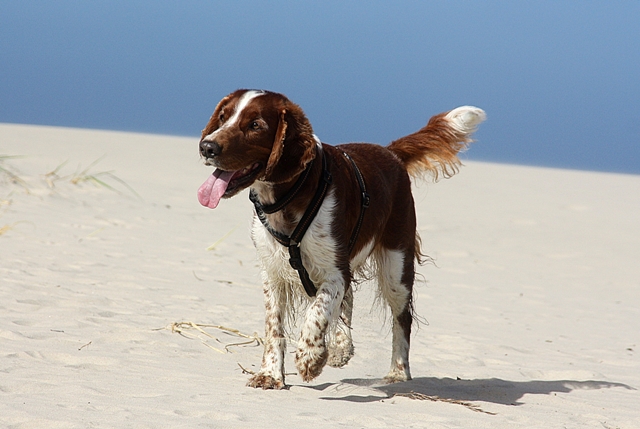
x=296, y=194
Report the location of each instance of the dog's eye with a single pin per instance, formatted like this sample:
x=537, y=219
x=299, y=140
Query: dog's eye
x=255, y=126
x=221, y=117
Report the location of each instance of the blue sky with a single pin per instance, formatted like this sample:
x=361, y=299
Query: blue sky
x=559, y=80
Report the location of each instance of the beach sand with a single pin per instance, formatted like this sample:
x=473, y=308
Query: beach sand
x=530, y=313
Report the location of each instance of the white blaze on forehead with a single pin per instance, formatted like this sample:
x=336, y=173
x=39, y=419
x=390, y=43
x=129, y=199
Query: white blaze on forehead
x=242, y=103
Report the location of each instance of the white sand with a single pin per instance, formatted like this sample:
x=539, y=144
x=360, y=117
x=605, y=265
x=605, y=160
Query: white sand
x=533, y=309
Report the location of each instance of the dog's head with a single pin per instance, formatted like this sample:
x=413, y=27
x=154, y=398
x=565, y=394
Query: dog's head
x=253, y=135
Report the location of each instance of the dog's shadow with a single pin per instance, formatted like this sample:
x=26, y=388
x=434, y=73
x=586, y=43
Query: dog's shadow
x=492, y=390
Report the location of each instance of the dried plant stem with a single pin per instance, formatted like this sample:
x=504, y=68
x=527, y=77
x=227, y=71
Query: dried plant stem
x=13, y=176
x=245, y=370
x=220, y=240
x=6, y=228
x=182, y=327
x=84, y=176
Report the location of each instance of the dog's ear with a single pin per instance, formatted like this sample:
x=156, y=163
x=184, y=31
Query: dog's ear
x=214, y=121
x=278, y=144
x=309, y=149
x=300, y=142
x=294, y=145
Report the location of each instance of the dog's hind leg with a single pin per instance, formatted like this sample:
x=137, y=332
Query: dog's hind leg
x=340, y=342
x=395, y=281
x=271, y=374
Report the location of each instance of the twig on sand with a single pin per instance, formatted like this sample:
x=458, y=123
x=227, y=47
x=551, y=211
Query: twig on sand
x=220, y=240
x=182, y=327
x=248, y=371
x=423, y=397
x=86, y=345
x=245, y=370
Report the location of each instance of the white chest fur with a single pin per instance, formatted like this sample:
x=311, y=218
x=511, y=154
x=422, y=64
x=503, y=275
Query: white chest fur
x=317, y=248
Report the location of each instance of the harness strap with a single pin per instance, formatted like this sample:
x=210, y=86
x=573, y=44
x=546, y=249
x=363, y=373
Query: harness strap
x=295, y=258
x=286, y=199
x=280, y=237
x=293, y=241
x=365, y=201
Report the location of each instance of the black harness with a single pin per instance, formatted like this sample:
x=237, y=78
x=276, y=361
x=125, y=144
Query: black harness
x=365, y=200
x=293, y=241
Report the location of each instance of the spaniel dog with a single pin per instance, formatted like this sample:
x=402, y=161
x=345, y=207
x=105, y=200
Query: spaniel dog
x=323, y=214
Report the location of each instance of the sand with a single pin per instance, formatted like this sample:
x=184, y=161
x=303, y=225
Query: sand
x=530, y=314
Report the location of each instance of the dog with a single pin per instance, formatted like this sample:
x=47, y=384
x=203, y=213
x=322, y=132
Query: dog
x=322, y=215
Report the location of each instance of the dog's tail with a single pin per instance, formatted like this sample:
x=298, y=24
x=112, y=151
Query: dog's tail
x=434, y=149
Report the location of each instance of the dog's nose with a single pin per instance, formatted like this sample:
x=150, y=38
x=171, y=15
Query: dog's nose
x=210, y=149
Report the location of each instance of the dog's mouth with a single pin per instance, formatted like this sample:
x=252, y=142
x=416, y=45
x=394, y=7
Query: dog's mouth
x=224, y=184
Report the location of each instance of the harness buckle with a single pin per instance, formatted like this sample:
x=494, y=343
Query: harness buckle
x=295, y=259
x=365, y=200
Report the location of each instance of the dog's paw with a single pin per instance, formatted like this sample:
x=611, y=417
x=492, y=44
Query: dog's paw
x=310, y=361
x=397, y=375
x=340, y=355
x=266, y=382
x=340, y=346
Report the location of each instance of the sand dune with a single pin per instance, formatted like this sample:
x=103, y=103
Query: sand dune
x=531, y=311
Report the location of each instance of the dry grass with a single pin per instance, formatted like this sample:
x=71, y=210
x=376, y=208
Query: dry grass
x=245, y=370
x=6, y=228
x=186, y=330
x=221, y=239
x=7, y=171
x=100, y=178
x=85, y=175
x=80, y=176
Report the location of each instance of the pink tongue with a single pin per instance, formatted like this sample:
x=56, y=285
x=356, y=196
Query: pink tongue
x=213, y=189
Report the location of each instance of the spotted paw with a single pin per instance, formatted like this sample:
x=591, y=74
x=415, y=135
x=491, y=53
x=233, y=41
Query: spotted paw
x=266, y=382
x=340, y=356
x=310, y=361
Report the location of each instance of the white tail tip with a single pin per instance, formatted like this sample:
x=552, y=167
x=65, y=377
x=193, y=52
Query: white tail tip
x=466, y=118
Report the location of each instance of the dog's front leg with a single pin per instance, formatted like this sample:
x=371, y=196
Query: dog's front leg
x=311, y=355
x=271, y=374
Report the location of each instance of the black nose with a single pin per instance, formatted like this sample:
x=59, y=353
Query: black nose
x=209, y=149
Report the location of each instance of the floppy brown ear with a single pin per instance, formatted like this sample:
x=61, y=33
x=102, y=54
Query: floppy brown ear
x=309, y=151
x=213, y=124
x=278, y=144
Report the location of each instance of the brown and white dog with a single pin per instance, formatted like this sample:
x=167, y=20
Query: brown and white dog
x=261, y=140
